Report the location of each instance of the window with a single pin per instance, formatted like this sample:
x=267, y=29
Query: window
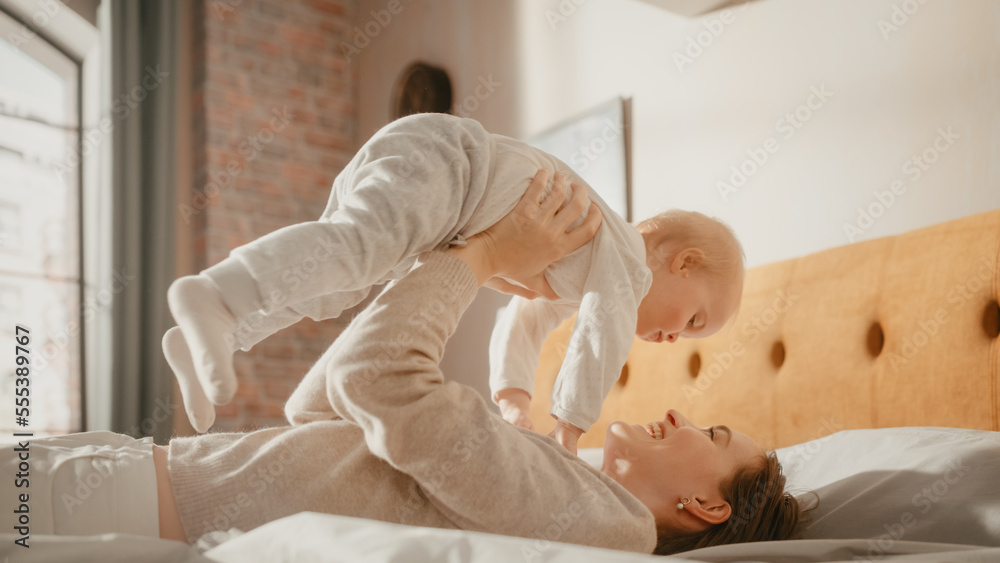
x=10, y=302
x=10, y=228
x=41, y=280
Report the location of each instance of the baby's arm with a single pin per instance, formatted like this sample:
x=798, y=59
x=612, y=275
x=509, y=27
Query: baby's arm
x=602, y=336
x=515, y=406
x=515, y=345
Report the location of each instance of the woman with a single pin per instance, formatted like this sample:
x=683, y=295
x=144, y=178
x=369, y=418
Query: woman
x=377, y=433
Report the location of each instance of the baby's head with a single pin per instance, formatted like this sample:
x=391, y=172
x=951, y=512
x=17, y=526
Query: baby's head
x=697, y=266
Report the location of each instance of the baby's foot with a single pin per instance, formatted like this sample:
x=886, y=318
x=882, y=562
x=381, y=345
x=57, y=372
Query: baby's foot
x=200, y=411
x=208, y=326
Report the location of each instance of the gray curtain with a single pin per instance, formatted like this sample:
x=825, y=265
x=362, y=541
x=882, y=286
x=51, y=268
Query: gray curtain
x=143, y=62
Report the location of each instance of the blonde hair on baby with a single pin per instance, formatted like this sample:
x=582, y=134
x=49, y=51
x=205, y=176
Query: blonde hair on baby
x=677, y=229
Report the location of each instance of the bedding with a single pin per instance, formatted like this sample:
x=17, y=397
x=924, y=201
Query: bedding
x=309, y=536
x=105, y=548
x=380, y=542
x=893, y=484
x=914, y=494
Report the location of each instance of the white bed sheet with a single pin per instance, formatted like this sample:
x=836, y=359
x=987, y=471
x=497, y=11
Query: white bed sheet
x=106, y=548
x=308, y=537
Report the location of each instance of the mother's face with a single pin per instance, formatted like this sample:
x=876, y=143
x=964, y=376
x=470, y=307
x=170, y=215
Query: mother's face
x=664, y=462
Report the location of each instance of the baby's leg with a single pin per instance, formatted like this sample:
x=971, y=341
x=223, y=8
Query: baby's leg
x=403, y=194
x=261, y=324
x=318, y=267
x=200, y=410
x=247, y=333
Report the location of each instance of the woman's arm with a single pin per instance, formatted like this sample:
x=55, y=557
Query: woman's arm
x=478, y=471
x=511, y=240
x=415, y=328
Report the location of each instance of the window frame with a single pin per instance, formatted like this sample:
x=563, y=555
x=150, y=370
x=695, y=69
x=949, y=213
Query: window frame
x=65, y=30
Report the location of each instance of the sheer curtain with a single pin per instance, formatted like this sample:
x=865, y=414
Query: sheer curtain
x=143, y=62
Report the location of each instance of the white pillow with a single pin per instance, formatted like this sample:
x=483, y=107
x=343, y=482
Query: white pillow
x=892, y=484
x=593, y=456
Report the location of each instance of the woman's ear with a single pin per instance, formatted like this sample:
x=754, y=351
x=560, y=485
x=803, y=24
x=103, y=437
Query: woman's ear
x=712, y=512
x=686, y=260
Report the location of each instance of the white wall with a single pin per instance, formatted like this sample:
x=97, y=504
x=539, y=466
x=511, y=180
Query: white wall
x=890, y=96
x=475, y=41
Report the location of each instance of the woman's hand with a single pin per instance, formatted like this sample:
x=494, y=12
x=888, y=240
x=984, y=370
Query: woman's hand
x=531, y=237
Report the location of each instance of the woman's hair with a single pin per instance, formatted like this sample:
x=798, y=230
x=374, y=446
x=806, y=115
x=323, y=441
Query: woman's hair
x=761, y=510
x=677, y=229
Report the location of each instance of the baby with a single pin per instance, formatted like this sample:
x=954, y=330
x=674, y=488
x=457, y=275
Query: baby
x=432, y=180
x=696, y=266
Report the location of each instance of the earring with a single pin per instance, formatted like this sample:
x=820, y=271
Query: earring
x=685, y=501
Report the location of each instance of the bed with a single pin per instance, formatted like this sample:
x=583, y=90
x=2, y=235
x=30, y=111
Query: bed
x=873, y=368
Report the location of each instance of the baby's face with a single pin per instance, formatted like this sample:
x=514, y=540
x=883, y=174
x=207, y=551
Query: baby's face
x=685, y=302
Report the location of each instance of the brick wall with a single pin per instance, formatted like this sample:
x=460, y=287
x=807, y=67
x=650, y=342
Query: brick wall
x=274, y=122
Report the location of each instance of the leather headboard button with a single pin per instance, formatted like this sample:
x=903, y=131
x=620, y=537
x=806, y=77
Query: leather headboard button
x=875, y=339
x=623, y=378
x=991, y=319
x=778, y=354
x=694, y=364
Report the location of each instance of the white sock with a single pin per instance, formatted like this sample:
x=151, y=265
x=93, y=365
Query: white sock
x=208, y=326
x=200, y=411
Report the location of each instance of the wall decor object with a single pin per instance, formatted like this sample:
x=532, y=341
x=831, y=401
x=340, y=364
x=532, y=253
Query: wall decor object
x=597, y=146
x=422, y=88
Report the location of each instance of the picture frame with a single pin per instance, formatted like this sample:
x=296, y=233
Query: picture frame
x=597, y=146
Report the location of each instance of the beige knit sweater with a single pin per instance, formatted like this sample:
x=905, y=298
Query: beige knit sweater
x=377, y=433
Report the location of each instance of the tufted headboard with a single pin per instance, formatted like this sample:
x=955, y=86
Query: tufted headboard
x=898, y=331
